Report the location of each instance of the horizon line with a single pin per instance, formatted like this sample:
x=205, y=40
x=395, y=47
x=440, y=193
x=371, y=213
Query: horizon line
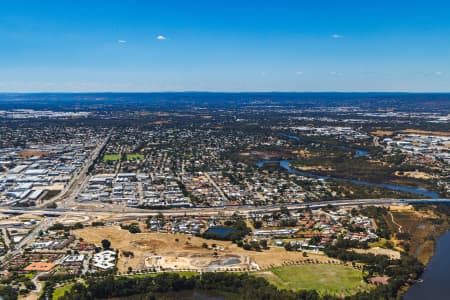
x=224, y=92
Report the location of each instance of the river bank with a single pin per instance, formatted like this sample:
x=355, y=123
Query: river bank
x=435, y=281
x=286, y=164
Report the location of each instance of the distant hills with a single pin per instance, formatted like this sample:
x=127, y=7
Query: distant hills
x=432, y=102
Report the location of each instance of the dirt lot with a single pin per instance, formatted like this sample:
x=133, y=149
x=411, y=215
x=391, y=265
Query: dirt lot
x=380, y=251
x=416, y=131
x=31, y=153
x=148, y=244
x=382, y=132
x=415, y=174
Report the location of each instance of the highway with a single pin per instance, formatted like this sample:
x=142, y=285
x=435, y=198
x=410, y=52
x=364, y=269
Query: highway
x=208, y=211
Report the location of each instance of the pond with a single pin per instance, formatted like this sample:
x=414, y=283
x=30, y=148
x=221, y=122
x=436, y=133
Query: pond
x=291, y=137
x=222, y=231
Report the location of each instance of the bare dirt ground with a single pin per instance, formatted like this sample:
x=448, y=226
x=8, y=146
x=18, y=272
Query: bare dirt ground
x=148, y=244
x=380, y=251
x=415, y=174
x=30, y=153
x=416, y=131
x=382, y=132
x=315, y=168
x=302, y=153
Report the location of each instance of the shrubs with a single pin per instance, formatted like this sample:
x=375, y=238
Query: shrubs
x=132, y=228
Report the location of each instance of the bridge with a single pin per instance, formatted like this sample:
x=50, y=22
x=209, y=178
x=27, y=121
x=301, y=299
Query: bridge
x=425, y=201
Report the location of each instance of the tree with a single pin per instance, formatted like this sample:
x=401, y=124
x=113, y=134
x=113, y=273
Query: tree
x=257, y=224
x=106, y=244
x=263, y=243
x=77, y=225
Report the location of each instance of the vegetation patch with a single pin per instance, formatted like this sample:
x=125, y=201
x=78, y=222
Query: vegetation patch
x=59, y=291
x=420, y=228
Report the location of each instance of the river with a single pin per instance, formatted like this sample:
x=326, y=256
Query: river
x=436, y=278
x=285, y=164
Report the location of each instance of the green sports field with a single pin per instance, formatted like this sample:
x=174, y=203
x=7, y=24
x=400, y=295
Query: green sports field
x=111, y=157
x=135, y=156
x=325, y=279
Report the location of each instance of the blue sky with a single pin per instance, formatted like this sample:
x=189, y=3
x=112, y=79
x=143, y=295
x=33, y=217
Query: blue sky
x=225, y=45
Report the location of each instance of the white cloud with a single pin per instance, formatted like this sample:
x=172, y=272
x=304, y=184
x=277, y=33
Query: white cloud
x=438, y=73
x=333, y=73
x=336, y=36
x=299, y=73
x=121, y=41
x=161, y=37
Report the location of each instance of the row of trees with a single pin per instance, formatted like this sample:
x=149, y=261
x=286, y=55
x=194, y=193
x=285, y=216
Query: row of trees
x=241, y=286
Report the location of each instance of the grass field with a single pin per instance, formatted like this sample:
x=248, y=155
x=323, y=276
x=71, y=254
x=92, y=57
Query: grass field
x=326, y=279
x=111, y=157
x=59, y=291
x=135, y=156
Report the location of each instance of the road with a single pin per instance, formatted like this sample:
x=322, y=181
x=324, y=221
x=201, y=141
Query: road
x=209, y=211
x=74, y=187
x=17, y=249
x=221, y=193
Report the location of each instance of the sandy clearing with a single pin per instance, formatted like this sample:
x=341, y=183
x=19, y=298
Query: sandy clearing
x=414, y=174
x=417, y=131
x=380, y=251
x=147, y=244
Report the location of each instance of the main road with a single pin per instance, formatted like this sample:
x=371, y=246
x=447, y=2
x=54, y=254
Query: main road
x=209, y=211
x=73, y=188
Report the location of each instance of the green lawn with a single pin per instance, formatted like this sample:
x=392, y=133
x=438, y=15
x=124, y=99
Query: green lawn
x=325, y=279
x=59, y=291
x=111, y=157
x=135, y=156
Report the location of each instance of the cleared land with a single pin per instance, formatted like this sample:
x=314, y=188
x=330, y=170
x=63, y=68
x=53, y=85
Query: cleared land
x=326, y=279
x=415, y=174
x=148, y=244
x=393, y=254
x=426, y=132
x=382, y=132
